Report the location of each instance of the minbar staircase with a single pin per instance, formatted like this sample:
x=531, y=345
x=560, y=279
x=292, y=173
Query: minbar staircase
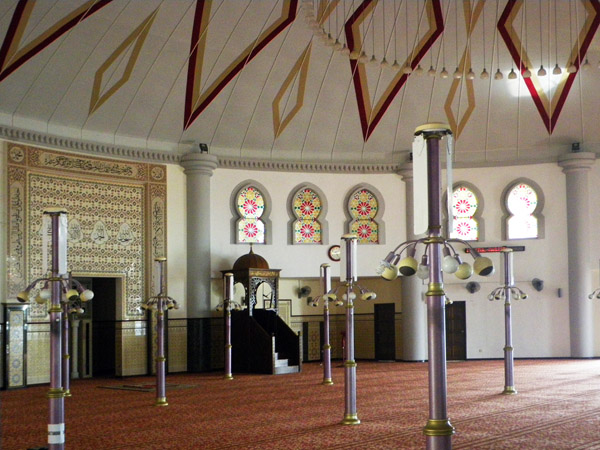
x=263, y=343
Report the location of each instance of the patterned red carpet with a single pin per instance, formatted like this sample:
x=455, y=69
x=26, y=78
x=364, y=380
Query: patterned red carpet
x=557, y=407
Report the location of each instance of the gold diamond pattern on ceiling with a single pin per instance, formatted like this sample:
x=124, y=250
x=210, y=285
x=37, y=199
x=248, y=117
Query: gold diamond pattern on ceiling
x=471, y=18
x=135, y=39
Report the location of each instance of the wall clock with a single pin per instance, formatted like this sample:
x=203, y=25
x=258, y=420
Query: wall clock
x=334, y=252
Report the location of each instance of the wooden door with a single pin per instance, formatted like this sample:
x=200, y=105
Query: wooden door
x=385, y=331
x=456, y=331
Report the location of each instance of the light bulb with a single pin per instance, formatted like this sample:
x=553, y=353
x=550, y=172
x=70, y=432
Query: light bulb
x=572, y=68
x=373, y=61
x=385, y=63
x=484, y=74
x=396, y=66
x=407, y=69
x=470, y=75
x=419, y=70
x=431, y=71
x=363, y=58
x=45, y=294
x=498, y=75
x=86, y=295
x=449, y=264
x=512, y=75
x=354, y=54
x=527, y=73
x=541, y=72
x=345, y=50
x=423, y=272
x=457, y=74
x=557, y=70
x=444, y=73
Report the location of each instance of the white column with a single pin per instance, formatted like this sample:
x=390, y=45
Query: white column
x=576, y=167
x=198, y=168
x=414, y=309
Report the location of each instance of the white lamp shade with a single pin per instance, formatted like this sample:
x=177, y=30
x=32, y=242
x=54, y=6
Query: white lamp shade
x=45, y=294
x=423, y=272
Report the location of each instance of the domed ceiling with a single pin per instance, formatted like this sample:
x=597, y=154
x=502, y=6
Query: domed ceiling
x=274, y=81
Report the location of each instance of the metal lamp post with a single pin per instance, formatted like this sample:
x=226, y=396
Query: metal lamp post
x=326, y=280
x=506, y=292
x=327, y=296
x=439, y=256
x=227, y=305
x=161, y=303
x=53, y=288
x=349, y=277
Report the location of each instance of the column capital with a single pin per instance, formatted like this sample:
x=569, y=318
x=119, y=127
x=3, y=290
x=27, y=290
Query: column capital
x=571, y=162
x=199, y=163
x=406, y=171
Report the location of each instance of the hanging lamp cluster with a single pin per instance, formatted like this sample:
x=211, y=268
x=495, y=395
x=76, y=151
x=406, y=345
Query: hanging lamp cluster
x=327, y=23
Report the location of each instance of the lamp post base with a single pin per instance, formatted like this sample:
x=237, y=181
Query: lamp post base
x=438, y=427
x=228, y=377
x=162, y=401
x=509, y=390
x=327, y=381
x=351, y=419
x=68, y=393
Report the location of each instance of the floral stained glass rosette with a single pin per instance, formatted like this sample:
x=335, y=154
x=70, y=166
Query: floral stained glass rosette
x=307, y=208
x=363, y=207
x=251, y=205
x=464, y=207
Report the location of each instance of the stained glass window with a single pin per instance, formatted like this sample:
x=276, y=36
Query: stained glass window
x=521, y=202
x=363, y=207
x=250, y=206
x=464, y=208
x=307, y=207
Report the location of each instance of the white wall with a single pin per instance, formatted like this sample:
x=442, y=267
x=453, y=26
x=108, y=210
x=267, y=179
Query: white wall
x=303, y=260
x=540, y=323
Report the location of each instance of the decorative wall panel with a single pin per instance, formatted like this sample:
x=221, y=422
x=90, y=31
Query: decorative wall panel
x=117, y=225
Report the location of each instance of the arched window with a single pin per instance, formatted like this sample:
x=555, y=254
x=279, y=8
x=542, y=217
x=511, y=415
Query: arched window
x=306, y=206
x=363, y=207
x=250, y=204
x=465, y=205
x=523, y=205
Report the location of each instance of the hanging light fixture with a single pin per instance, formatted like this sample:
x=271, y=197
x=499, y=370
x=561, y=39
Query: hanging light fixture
x=586, y=65
x=373, y=61
x=419, y=70
x=557, y=70
x=407, y=69
x=484, y=74
x=470, y=74
x=384, y=63
x=527, y=73
x=512, y=74
x=431, y=71
x=457, y=74
x=572, y=68
x=444, y=73
x=498, y=75
x=541, y=71
x=396, y=66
